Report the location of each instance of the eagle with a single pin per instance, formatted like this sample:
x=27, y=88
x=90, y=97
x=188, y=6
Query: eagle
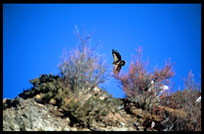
x=118, y=62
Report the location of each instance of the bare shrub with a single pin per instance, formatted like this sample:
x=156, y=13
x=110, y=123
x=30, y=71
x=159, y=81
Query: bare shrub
x=141, y=86
x=83, y=68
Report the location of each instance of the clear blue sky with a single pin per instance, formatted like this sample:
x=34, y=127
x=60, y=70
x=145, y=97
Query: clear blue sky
x=34, y=36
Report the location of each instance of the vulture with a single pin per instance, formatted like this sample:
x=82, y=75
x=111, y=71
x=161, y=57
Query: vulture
x=118, y=62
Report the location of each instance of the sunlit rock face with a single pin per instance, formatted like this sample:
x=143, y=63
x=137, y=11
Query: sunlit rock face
x=28, y=115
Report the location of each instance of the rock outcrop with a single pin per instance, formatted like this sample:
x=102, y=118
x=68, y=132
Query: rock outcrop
x=50, y=106
x=28, y=115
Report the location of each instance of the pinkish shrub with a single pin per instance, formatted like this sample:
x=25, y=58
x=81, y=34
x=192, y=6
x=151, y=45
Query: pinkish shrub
x=137, y=82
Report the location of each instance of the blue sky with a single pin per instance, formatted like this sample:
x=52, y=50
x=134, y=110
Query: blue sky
x=34, y=36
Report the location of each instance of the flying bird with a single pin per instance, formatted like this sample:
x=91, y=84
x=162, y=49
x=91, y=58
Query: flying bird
x=118, y=62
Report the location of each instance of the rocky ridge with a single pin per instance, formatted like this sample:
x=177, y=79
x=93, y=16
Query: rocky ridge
x=50, y=106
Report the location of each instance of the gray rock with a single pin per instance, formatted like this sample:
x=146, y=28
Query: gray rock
x=28, y=115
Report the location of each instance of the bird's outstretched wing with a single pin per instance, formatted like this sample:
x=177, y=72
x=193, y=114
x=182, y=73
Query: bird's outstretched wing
x=116, y=55
x=122, y=63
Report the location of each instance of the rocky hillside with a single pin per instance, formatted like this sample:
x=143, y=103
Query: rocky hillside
x=51, y=106
x=29, y=115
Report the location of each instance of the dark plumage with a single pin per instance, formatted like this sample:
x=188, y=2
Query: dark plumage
x=118, y=62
